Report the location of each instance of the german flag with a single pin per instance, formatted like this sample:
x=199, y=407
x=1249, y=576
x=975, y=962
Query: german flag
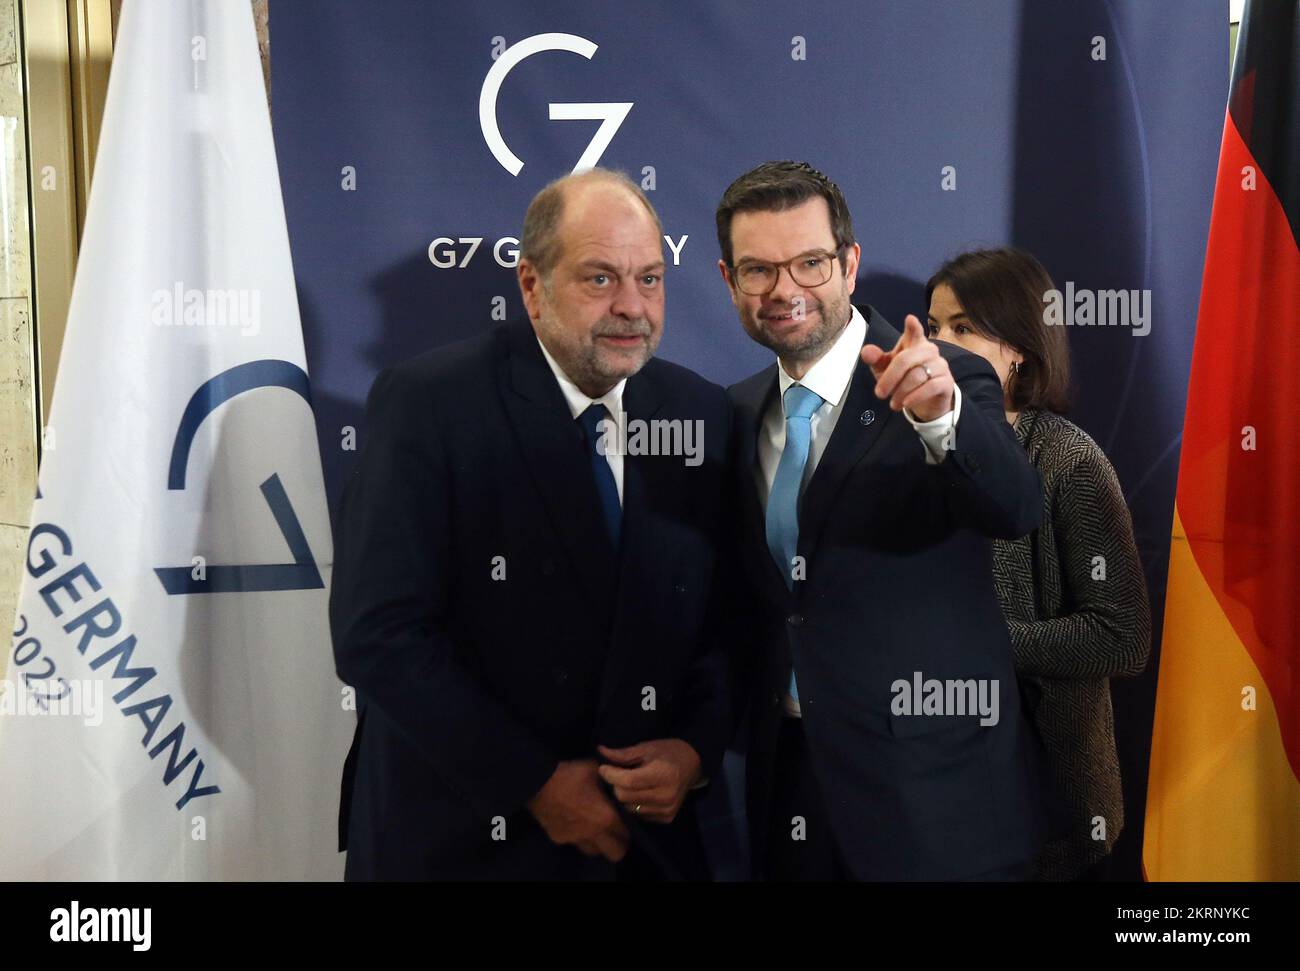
x=1223, y=800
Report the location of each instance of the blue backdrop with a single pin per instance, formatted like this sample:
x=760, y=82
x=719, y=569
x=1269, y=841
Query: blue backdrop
x=1102, y=167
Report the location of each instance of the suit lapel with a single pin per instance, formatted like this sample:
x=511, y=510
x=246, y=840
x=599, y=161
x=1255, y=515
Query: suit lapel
x=752, y=399
x=862, y=420
x=554, y=451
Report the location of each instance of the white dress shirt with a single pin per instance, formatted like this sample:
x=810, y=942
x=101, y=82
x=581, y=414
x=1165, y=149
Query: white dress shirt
x=579, y=402
x=829, y=378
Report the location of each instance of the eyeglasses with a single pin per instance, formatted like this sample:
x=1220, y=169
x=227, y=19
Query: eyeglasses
x=758, y=278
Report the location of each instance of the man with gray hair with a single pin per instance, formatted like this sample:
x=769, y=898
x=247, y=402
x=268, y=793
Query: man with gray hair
x=522, y=605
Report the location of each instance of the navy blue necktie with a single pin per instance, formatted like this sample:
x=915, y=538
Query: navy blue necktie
x=606, y=487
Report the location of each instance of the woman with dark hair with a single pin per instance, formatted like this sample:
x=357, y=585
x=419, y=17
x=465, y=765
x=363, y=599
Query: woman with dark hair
x=1072, y=591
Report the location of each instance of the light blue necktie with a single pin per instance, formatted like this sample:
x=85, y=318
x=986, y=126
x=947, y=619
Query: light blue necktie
x=783, y=500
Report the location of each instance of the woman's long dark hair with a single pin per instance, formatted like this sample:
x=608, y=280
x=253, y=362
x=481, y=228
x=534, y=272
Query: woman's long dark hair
x=1004, y=292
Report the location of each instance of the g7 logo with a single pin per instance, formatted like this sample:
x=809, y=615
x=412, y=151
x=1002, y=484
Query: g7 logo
x=302, y=573
x=609, y=113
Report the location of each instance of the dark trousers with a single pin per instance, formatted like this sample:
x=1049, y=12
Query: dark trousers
x=816, y=857
x=807, y=853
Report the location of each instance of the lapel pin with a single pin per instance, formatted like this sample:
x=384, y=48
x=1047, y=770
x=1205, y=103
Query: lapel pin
x=867, y=417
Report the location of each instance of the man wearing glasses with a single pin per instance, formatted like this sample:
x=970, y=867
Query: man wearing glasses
x=873, y=468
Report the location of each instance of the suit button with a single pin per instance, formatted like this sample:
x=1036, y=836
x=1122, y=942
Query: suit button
x=548, y=566
x=973, y=463
x=560, y=675
x=795, y=620
x=680, y=588
x=776, y=700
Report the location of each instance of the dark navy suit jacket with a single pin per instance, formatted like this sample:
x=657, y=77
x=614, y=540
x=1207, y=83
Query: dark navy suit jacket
x=898, y=580
x=471, y=687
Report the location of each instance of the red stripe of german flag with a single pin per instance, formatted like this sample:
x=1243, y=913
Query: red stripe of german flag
x=1223, y=797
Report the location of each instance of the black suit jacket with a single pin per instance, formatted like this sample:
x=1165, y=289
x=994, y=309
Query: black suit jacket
x=899, y=580
x=491, y=629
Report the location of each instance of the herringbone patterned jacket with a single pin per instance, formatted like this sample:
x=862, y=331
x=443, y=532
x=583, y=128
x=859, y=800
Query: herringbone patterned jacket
x=1076, y=602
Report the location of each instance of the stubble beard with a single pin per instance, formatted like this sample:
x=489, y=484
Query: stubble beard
x=832, y=317
x=587, y=363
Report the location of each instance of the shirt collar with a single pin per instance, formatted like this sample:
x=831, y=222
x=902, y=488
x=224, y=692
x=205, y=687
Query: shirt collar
x=577, y=399
x=829, y=377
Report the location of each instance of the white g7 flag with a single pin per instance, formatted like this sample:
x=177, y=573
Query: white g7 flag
x=172, y=711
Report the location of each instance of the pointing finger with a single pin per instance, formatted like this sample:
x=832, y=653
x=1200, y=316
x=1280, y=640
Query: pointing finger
x=913, y=331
